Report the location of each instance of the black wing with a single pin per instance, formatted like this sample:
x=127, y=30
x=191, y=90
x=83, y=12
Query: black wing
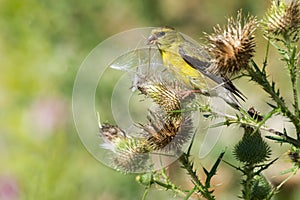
x=202, y=67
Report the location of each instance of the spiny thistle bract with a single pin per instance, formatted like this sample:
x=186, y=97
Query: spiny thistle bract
x=169, y=96
x=165, y=131
x=168, y=134
x=282, y=18
x=261, y=188
x=251, y=149
x=112, y=135
x=233, y=46
x=170, y=128
x=161, y=95
x=130, y=154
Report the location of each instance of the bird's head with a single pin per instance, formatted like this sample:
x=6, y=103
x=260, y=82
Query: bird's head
x=164, y=37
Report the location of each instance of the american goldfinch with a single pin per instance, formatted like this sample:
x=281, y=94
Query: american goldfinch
x=189, y=62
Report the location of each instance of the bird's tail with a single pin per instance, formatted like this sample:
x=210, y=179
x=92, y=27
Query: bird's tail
x=231, y=100
x=227, y=96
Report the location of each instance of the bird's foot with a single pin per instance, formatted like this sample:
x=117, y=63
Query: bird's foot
x=189, y=93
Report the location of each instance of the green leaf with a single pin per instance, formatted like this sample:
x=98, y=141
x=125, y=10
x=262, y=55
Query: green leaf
x=213, y=170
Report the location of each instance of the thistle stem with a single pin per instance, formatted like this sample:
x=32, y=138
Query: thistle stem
x=169, y=186
x=247, y=184
x=186, y=164
x=233, y=119
x=293, y=76
x=291, y=61
x=260, y=77
x=145, y=193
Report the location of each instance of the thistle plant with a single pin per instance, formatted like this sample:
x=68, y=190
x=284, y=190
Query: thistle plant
x=232, y=51
x=232, y=47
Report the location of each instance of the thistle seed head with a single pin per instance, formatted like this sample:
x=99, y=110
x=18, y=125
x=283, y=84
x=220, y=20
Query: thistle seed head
x=163, y=95
x=168, y=134
x=232, y=47
x=282, y=18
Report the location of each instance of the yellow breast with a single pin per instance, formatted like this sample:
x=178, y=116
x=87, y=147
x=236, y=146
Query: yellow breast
x=183, y=70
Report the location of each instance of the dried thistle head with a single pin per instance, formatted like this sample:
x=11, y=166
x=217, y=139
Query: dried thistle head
x=168, y=134
x=170, y=128
x=232, y=47
x=111, y=135
x=129, y=153
x=282, y=18
x=132, y=155
x=168, y=95
x=163, y=95
x=116, y=140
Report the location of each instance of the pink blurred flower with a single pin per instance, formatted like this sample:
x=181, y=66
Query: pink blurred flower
x=9, y=189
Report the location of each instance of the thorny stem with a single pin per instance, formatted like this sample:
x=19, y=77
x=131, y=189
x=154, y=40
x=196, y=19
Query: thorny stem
x=261, y=78
x=186, y=164
x=287, y=138
x=248, y=182
x=295, y=94
x=233, y=119
x=169, y=186
x=291, y=62
x=248, y=171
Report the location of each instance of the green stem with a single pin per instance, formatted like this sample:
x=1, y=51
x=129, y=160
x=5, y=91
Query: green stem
x=260, y=77
x=248, y=182
x=230, y=119
x=293, y=76
x=186, y=164
x=291, y=61
x=145, y=193
x=168, y=186
x=187, y=197
x=295, y=92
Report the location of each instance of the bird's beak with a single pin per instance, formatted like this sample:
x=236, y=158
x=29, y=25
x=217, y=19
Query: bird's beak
x=151, y=40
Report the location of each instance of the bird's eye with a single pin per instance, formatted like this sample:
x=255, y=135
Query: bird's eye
x=160, y=34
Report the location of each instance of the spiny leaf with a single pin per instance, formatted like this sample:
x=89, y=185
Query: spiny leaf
x=213, y=170
x=278, y=139
x=266, y=166
x=272, y=106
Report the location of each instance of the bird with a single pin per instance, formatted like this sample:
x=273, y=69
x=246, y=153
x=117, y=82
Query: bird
x=189, y=61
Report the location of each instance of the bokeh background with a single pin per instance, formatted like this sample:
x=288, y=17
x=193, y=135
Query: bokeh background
x=42, y=45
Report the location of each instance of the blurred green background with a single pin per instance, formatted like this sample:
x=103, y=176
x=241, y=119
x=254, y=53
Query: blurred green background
x=42, y=44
